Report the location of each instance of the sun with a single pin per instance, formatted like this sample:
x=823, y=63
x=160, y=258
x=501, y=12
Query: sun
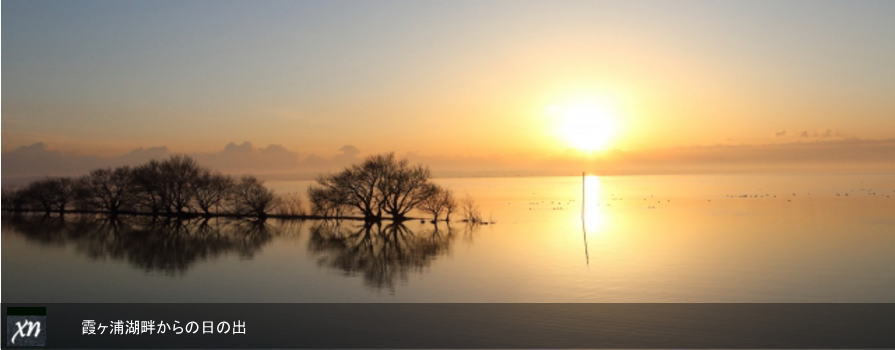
x=588, y=125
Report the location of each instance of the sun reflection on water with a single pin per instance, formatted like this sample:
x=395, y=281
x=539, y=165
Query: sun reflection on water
x=593, y=214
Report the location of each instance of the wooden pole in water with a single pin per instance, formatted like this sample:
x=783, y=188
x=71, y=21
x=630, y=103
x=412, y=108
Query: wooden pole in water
x=584, y=216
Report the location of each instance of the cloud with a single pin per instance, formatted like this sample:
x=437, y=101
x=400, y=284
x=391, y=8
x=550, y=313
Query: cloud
x=38, y=160
x=244, y=157
x=240, y=148
x=825, y=134
x=273, y=161
x=349, y=152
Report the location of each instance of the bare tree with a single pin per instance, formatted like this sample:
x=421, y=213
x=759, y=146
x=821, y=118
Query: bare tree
x=38, y=196
x=440, y=202
x=166, y=185
x=290, y=204
x=63, y=192
x=356, y=187
x=381, y=184
x=177, y=176
x=150, y=192
x=14, y=199
x=471, y=212
x=210, y=190
x=325, y=202
x=404, y=188
x=51, y=194
x=107, y=189
x=450, y=204
x=250, y=197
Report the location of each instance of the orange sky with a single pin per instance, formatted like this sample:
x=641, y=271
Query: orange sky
x=464, y=79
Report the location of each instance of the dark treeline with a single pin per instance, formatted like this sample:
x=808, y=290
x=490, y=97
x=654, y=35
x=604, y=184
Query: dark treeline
x=176, y=187
x=380, y=187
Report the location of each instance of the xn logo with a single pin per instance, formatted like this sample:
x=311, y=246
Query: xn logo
x=26, y=326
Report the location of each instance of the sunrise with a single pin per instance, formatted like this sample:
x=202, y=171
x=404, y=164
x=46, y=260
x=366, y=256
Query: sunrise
x=299, y=153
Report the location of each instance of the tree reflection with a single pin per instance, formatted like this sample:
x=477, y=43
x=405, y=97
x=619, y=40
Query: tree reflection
x=169, y=246
x=382, y=253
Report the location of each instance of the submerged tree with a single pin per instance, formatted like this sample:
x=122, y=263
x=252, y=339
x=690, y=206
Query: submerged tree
x=210, y=190
x=250, y=197
x=50, y=194
x=404, y=187
x=62, y=191
x=178, y=176
x=290, y=204
x=107, y=189
x=167, y=186
x=449, y=203
x=380, y=184
x=150, y=192
x=14, y=199
x=325, y=202
x=357, y=186
x=37, y=196
x=440, y=202
x=471, y=211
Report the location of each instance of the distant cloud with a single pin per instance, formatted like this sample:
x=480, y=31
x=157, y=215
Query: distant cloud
x=825, y=134
x=234, y=148
x=349, y=151
x=37, y=160
x=238, y=158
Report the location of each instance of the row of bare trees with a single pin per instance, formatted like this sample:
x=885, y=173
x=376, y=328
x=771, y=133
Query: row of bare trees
x=381, y=186
x=177, y=186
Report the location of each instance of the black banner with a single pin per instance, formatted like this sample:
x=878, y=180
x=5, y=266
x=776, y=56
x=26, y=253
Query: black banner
x=661, y=325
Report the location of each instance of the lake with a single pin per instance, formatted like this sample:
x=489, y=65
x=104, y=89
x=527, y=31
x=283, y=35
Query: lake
x=680, y=238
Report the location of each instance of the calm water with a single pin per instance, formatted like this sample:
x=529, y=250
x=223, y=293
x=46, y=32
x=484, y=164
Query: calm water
x=718, y=238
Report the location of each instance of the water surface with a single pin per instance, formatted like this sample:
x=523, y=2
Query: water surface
x=707, y=238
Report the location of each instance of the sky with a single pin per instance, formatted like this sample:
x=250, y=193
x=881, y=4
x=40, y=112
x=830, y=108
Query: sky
x=444, y=80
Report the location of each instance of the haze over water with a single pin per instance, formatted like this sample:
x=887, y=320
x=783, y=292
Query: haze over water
x=686, y=238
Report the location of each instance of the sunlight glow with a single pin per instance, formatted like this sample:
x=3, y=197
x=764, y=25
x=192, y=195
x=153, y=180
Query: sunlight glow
x=588, y=125
x=594, y=216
